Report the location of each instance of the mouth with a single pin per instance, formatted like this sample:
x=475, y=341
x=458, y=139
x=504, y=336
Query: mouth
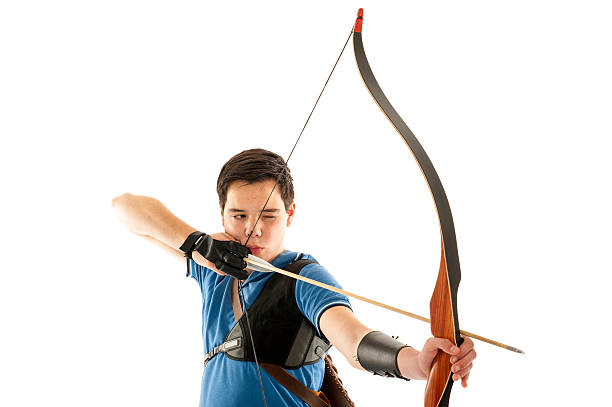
x=255, y=249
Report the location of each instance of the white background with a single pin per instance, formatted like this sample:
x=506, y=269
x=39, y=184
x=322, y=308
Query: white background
x=510, y=100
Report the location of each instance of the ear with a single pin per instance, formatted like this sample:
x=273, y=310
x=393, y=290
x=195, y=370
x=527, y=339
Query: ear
x=291, y=213
x=222, y=219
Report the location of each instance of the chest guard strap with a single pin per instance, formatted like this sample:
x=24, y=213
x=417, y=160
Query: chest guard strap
x=282, y=335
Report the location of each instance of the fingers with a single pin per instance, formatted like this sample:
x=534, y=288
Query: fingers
x=238, y=249
x=226, y=255
x=462, y=362
x=433, y=344
x=461, y=373
x=234, y=261
x=466, y=347
x=464, y=380
x=232, y=271
x=430, y=350
x=461, y=357
x=225, y=237
x=236, y=273
x=201, y=260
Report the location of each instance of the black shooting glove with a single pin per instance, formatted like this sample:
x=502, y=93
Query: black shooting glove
x=227, y=256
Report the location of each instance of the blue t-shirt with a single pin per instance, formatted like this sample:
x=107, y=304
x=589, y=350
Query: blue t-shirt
x=229, y=383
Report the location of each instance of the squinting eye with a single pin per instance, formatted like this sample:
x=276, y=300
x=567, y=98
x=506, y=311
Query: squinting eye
x=238, y=216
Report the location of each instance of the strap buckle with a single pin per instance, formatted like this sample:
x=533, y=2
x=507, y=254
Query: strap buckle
x=224, y=347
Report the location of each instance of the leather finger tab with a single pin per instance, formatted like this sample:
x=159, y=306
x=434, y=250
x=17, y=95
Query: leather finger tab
x=238, y=249
x=234, y=261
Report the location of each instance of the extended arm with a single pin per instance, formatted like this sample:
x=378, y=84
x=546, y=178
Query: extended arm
x=345, y=332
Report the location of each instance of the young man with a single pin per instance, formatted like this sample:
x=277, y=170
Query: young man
x=230, y=376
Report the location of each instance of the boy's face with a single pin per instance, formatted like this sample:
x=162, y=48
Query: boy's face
x=244, y=202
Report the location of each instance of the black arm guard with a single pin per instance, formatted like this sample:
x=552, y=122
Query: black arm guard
x=377, y=353
x=227, y=256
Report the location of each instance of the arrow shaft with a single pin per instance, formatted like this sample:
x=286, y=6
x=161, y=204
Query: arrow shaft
x=266, y=268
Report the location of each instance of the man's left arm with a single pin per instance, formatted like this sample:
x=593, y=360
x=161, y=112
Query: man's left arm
x=347, y=333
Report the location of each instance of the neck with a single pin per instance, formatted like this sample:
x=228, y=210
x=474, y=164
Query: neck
x=275, y=255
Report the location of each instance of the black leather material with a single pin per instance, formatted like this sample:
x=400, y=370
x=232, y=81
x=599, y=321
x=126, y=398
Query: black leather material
x=377, y=353
x=282, y=335
x=227, y=256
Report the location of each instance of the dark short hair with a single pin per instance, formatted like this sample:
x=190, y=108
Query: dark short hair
x=256, y=165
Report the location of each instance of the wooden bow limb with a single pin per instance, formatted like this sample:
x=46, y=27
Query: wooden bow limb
x=254, y=263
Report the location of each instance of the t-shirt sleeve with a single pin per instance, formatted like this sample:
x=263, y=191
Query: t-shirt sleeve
x=197, y=272
x=312, y=300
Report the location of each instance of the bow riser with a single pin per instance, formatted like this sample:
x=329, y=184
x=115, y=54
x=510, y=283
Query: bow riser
x=439, y=385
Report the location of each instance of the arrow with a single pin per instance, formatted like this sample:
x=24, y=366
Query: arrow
x=257, y=264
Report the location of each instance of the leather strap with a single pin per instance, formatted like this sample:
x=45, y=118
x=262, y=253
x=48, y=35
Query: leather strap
x=236, y=301
x=312, y=398
x=190, y=242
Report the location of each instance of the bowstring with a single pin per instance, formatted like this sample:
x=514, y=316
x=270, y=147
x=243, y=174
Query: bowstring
x=240, y=286
x=300, y=135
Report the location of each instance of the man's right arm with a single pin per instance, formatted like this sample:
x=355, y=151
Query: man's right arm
x=149, y=218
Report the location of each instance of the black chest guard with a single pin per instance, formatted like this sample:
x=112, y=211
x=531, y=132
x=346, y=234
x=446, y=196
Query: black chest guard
x=282, y=335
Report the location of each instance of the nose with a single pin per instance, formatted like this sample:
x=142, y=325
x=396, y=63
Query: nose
x=249, y=228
